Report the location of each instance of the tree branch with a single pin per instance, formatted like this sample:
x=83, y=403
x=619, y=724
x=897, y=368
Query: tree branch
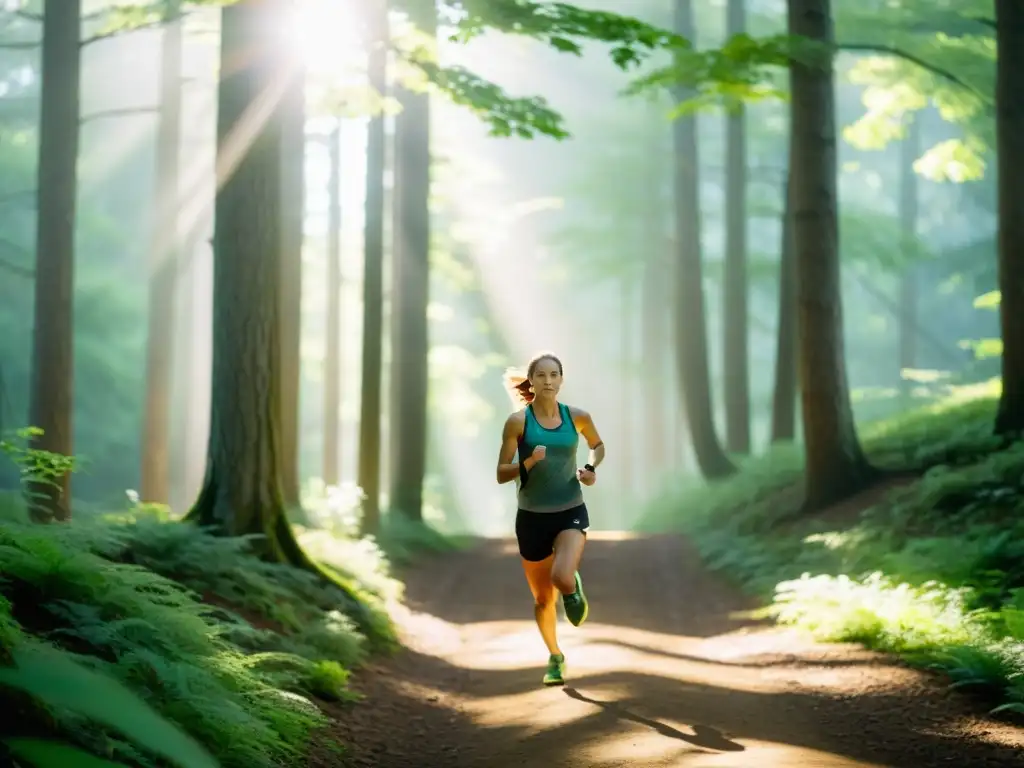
x=10, y=266
x=118, y=32
x=938, y=71
x=17, y=269
x=26, y=45
x=121, y=112
x=38, y=17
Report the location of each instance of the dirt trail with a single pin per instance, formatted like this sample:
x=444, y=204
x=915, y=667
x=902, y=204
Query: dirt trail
x=660, y=675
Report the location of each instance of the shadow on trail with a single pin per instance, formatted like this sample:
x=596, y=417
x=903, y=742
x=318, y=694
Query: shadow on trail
x=719, y=719
x=703, y=736
x=765, y=661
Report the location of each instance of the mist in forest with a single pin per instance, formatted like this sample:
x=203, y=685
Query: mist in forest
x=536, y=244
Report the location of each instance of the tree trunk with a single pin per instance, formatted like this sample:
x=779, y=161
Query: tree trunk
x=200, y=373
x=373, y=283
x=1010, y=143
x=784, y=396
x=734, y=304
x=293, y=187
x=186, y=409
x=410, y=299
x=50, y=403
x=910, y=147
x=654, y=343
x=332, y=355
x=627, y=402
x=690, y=321
x=835, y=463
x=165, y=250
x=241, y=492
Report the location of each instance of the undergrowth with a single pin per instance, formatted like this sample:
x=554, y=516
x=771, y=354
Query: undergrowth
x=336, y=512
x=932, y=571
x=226, y=651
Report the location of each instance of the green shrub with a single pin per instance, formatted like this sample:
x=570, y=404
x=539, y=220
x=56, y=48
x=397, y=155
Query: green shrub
x=224, y=647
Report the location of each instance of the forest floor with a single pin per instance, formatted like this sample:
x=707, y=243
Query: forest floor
x=664, y=673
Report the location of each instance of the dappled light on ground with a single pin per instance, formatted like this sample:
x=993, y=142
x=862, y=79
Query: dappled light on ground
x=687, y=684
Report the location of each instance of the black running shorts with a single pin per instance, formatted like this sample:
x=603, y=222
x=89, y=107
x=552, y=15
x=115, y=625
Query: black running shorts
x=536, y=531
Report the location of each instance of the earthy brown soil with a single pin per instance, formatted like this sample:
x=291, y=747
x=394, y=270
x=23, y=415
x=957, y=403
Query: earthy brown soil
x=662, y=674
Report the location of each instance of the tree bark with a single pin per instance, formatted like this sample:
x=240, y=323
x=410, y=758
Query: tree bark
x=734, y=306
x=332, y=355
x=835, y=463
x=910, y=147
x=373, y=283
x=50, y=403
x=627, y=401
x=654, y=343
x=293, y=187
x=690, y=320
x=1010, y=144
x=241, y=492
x=164, y=254
x=784, y=394
x=412, y=294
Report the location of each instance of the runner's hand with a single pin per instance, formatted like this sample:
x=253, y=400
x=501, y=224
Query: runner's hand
x=586, y=476
x=537, y=456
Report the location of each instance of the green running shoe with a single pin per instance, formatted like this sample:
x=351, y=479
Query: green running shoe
x=555, y=674
x=576, y=606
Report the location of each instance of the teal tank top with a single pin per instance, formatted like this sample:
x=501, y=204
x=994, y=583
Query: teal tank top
x=552, y=484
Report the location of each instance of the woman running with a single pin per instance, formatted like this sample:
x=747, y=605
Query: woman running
x=552, y=521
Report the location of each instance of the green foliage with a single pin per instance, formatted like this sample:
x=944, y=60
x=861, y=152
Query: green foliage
x=326, y=617
x=403, y=540
x=54, y=679
x=989, y=300
x=399, y=541
x=223, y=647
x=928, y=54
x=563, y=27
x=743, y=69
x=47, y=754
x=35, y=466
x=737, y=71
x=934, y=570
x=507, y=116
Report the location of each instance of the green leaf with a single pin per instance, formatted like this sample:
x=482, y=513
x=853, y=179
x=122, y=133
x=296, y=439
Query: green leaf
x=953, y=160
x=990, y=300
x=624, y=56
x=983, y=349
x=57, y=681
x=928, y=52
x=50, y=754
x=744, y=69
x=506, y=115
x=565, y=45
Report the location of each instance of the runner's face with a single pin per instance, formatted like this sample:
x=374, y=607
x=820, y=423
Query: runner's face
x=546, y=380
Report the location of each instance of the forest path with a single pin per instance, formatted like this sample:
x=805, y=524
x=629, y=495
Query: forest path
x=661, y=674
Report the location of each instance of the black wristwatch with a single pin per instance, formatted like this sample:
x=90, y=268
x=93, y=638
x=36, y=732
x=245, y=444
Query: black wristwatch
x=590, y=468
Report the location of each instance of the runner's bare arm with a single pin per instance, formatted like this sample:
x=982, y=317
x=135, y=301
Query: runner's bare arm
x=585, y=424
x=507, y=469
